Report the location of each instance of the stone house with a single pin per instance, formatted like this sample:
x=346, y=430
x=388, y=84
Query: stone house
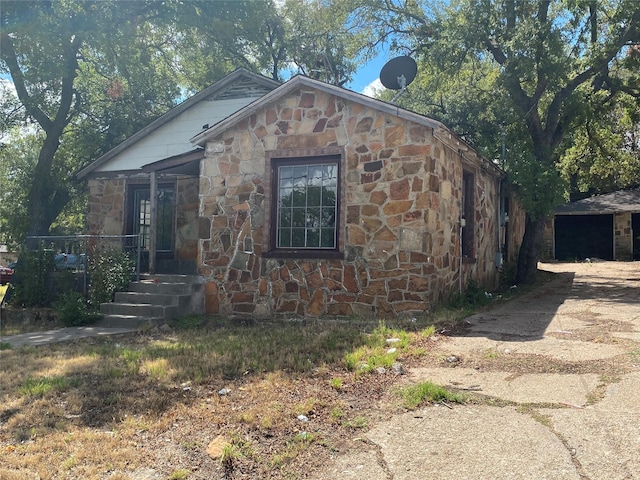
x=314, y=201
x=603, y=226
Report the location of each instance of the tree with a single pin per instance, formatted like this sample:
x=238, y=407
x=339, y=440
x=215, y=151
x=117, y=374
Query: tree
x=552, y=58
x=44, y=47
x=89, y=74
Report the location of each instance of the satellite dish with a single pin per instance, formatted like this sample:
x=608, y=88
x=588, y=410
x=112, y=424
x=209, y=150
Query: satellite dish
x=398, y=72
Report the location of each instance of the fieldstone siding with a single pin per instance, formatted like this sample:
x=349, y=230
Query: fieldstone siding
x=401, y=204
x=622, y=236
x=188, y=202
x=105, y=210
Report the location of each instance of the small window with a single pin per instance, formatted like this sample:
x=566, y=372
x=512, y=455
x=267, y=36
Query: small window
x=305, y=206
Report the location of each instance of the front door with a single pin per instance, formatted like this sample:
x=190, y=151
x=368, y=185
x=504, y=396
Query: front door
x=139, y=218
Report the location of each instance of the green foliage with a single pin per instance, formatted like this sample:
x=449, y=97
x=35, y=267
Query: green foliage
x=110, y=270
x=376, y=351
x=427, y=392
x=473, y=297
x=31, y=278
x=38, y=387
x=72, y=309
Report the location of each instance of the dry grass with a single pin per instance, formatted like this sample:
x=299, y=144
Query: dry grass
x=107, y=408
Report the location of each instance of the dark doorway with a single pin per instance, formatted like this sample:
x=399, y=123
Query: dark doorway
x=635, y=229
x=584, y=236
x=139, y=219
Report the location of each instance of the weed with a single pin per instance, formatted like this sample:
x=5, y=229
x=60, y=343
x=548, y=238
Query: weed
x=491, y=353
x=357, y=422
x=39, y=387
x=230, y=454
x=428, y=332
x=179, y=474
x=293, y=448
x=336, y=383
x=188, y=322
x=336, y=413
x=377, y=351
x=5, y=346
x=427, y=392
x=69, y=463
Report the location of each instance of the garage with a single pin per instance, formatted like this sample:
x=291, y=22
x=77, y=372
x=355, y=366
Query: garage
x=584, y=236
x=606, y=227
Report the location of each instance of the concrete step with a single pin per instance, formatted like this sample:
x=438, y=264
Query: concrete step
x=163, y=288
x=171, y=278
x=140, y=310
x=151, y=298
x=128, y=321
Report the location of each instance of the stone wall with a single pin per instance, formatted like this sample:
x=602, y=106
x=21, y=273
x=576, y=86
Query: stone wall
x=105, y=209
x=401, y=204
x=622, y=236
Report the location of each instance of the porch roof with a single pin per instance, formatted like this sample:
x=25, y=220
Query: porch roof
x=184, y=164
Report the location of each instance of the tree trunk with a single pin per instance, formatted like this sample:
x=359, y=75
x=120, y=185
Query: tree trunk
x=530, y=250
x=46, y=197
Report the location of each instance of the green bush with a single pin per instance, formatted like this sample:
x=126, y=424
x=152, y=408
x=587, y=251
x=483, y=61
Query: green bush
x=31, y=280
x=473, y=297
x=110, y=270
x=72, y=310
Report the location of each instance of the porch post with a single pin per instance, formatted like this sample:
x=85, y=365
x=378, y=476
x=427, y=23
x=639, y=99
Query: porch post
x=152, y=228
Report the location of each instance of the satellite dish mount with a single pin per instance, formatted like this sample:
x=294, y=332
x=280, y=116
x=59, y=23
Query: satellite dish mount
x=398, y=73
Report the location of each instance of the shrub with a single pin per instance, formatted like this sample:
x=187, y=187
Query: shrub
x=31, y=278
x=72, y=309
x=110, y=270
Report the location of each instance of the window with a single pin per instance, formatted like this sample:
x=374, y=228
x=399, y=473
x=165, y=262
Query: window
x=305, y=206
x=468, y=214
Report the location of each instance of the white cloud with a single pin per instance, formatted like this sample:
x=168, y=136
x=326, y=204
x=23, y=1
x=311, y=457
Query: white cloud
x=373, y=89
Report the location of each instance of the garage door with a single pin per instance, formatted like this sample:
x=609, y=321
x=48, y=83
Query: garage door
x=584, y=236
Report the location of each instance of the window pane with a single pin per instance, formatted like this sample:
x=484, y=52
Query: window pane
x=313, y=217
x=300, y=176
x=299, y=217
x=328, y=218
x=327, y=238
x=313, y=238
x=297, y=237
x=330, y=175
x=286, y=195
x=285, y=218
x=315, y=175
x=314, y=195
x=299, y=198
x=328, y=197
x=284, y=237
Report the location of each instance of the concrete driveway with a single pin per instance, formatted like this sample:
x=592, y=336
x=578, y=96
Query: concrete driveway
x=557, y=375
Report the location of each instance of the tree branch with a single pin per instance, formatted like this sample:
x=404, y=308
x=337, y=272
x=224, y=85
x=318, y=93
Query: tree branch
x=9, y=55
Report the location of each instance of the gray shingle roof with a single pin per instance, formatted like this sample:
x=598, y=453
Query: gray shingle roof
x=620, y=201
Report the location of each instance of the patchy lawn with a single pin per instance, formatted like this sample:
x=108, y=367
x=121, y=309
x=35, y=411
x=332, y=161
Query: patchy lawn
x=205, y=401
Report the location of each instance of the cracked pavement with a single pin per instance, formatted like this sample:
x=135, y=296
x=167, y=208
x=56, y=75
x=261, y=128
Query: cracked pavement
x=555, y=375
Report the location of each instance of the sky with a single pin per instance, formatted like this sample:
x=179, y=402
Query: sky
x=367, y=79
